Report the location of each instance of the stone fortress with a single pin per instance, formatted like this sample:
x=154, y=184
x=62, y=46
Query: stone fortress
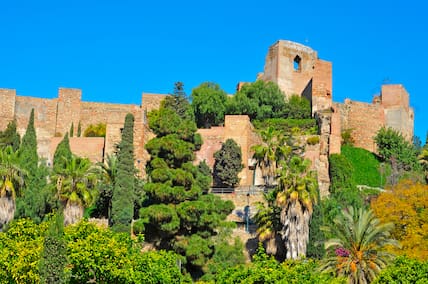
x=294, y=67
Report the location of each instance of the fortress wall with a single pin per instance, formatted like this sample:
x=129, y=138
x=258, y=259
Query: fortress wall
x=212, y=140
x=336, y=131
x=364, y=120
x=322, y=86
x=87, y=147
x=68, y=110
x=150, y=101
x=7, y=109
x=394, y=96
x=44, y=120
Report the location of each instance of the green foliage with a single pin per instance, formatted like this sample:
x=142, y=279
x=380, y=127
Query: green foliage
x=178, y=102
x=315, y=247
x=313, y=140
x=393, y=146
x=404, y=271
x=308, y=125
x=52, y=265
x=347, y=137
x=123, y=193
x=62, y=154
x=209, y=104
x=359, y=242
x=298, y=108
x=10, y=137
x=266, y=270
x=228, y=164
x=95, y=130
x=28, y=149
x=367, y=169
x=341, y=173
x=79, y=129
x=95, y=255
x=179, y=215
x=72, y=129
x=259, y=100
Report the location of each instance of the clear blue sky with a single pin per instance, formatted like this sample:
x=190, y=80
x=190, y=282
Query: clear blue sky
x=115, y=50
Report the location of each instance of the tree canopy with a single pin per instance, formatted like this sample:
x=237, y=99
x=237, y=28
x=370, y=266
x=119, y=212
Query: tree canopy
x=228, y=164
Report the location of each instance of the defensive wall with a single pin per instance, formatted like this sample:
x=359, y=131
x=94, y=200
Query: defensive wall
x=294, y=67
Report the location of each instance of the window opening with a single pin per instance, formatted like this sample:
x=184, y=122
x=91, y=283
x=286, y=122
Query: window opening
x=297, y=61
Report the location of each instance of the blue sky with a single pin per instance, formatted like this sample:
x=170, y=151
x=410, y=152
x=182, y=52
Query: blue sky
x=115, y=50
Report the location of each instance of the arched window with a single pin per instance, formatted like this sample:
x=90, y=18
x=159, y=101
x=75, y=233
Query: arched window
x=296, y=62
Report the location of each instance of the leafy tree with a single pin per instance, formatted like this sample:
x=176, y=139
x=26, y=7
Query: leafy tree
x=266, y=270
x=123, y=193
x=298, y=107
x=52, y=265
x=10, y=137
x=359, y=245
x=404, y=271
x=315, y=248
x=297, y=193
x=259, y=100
x=62, y=154
x=28, y=147
x=95, y=130
x=178, y=215
x=406, y=205
x=228, y=164
x=75, y=187
x=11, y=182
x=393, y=147
x=209, y=104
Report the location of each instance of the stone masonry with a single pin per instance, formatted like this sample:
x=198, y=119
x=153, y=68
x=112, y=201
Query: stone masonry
x=294, y=67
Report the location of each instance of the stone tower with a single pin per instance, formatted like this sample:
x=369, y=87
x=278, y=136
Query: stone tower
x=298, y=71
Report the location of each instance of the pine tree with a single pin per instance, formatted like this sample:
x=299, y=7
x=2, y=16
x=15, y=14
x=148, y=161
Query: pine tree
x=54, y=255
x=123, y=192
x=9, y=137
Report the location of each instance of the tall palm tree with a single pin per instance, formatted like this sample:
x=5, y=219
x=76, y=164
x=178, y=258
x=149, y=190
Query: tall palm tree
x=359, y=242
x=297, y=192
x=269, y=225
x=11, y=180
x=75, y=185
x=270, y=153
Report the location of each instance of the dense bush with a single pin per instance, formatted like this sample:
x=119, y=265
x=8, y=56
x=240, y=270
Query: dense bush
x=308, y=125
x=367, y=166
x=95, y=130
x=404, y=271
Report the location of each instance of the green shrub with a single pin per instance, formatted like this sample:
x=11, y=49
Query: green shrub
x=308, y=126
x=313, y=140
x=98, y=130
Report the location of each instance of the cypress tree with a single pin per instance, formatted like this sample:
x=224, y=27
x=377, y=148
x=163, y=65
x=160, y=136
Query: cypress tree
x=123, y=191
x=9, y=137
x=72, y=129
x=79, y=129
x=32, y=202
x=54, y=255
x=62, y=153
x=29, y=146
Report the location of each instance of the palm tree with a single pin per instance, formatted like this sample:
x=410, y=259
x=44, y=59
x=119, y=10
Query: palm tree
x=297, y=192
x=269, y=225
x=270, y=153
x=107, y=172
x=75, y=185
x=11, y=180
x=359, y=242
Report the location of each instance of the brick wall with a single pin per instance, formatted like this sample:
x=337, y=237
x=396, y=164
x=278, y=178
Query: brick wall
x=87, y=147
x=7, y=109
